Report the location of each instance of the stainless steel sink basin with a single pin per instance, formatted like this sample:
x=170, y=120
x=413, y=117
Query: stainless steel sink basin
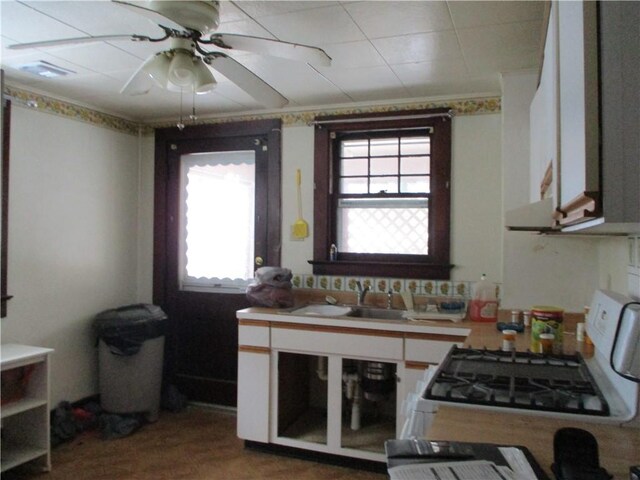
x=372, y=312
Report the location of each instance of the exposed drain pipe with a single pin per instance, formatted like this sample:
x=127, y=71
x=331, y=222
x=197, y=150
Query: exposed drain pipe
x=355, y=407
x=353, y=392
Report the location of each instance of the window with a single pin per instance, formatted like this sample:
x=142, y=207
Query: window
x=382, y=195
x=217, y=196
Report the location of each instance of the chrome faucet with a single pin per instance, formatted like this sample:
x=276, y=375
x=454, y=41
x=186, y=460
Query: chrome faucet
x=362, y=292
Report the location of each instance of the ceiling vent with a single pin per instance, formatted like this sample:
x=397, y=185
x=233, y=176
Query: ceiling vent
x=45, y=69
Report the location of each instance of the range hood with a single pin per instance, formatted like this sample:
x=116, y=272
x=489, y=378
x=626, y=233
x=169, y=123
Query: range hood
x=533, y=217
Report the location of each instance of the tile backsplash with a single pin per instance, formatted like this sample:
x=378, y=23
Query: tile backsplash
x=439, y=288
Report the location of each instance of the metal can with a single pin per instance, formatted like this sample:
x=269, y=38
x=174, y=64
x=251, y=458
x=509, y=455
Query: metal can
x=508, y=340
x=545, y=319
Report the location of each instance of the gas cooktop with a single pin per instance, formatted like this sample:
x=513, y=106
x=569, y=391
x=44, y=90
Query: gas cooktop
x=525, y=380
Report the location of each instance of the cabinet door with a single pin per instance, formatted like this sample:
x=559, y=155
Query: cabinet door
x=544, y=119
x=253, y=393
x=578, y=80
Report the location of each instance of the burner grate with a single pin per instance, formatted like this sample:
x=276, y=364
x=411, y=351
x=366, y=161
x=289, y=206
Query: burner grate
x=558, y=383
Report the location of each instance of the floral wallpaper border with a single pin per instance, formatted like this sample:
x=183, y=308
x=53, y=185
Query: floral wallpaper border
x=69, y=110
x=440, y=288
x=469, y=106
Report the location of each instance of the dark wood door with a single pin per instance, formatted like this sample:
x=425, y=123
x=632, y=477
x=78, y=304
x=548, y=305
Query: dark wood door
x=202, y=339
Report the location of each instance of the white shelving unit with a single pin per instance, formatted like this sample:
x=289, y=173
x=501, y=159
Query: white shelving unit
x=25, y=421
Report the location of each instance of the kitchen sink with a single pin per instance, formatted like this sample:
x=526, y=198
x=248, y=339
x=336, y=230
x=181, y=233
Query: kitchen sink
x=322, y=310
x=352, y=311
x=372, y=312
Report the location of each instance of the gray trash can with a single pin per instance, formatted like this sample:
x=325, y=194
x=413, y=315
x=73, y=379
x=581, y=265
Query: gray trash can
x=130, y=358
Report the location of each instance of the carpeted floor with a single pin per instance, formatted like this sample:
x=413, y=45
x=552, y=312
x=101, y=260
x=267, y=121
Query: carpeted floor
x=196, y=444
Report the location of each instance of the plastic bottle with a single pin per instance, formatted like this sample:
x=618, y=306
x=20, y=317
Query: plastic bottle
x=333, y=252
x=484, y=305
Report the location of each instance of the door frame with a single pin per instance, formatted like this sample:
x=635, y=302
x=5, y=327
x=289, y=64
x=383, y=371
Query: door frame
x=167, y=194
x=271, y=129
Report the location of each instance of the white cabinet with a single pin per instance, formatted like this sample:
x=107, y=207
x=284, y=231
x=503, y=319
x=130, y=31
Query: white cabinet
x=253, y=380
x=600, y=117
x=543, y=119
x=597, y=105
x=25, y=418
x=333, y=389
x=579, y=171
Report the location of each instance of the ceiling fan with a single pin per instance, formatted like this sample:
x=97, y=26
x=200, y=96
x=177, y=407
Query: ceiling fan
x=189, y=26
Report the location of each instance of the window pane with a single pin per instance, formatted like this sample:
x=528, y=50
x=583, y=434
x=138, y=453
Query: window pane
x=356, y=166
x=353, y=185
x=383, y=146
x=218, y=196
x=415, y=165
x=354, y=148
x=384, y=166
x=415, y=146
x=415, y=184
x=386, y=184
x=383, y=230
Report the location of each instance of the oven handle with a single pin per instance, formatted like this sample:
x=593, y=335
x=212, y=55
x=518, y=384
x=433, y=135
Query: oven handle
x=615, y=342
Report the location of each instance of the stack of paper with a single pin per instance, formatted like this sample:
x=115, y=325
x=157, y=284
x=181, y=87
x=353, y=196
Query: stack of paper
x=466, y=470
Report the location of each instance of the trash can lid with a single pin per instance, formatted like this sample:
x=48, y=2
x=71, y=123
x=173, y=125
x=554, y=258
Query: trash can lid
x=129, y=315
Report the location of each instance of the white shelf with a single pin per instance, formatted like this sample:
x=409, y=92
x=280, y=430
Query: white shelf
x=19, y=406
x=14, y=455
x=25, y=422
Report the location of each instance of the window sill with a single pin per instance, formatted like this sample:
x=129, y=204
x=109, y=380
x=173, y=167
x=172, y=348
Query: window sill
x=428, y=271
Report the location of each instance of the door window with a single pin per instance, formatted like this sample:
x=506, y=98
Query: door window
x=217, y=201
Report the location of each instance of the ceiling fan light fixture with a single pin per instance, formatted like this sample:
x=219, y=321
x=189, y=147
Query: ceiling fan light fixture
x=204, y=80
x=182, y=69
x=157, y=67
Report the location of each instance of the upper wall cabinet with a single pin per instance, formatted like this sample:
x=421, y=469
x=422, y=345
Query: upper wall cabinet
x=599, y=169
x=543, y=118
x=587, y=137
x=579, y=169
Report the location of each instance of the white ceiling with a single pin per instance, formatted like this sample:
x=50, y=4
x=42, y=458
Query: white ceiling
x=381, y=51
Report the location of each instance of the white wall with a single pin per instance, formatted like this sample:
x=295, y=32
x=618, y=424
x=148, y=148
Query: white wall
x=297, y=152
x=73, y=227
x=146, y=186
x=476, y=197
x=543, y=269
x=81, y=227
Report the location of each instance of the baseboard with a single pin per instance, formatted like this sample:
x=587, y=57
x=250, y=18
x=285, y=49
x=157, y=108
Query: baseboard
x=320, y=457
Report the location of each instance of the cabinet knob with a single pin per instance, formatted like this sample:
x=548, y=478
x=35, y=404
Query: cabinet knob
x=259, y=261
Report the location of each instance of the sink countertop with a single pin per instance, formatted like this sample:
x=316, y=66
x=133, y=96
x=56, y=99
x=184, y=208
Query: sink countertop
x=479, y=335
x=437, y=327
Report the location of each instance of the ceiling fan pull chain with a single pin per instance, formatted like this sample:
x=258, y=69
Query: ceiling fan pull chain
x=193, y=117
x=180, y=124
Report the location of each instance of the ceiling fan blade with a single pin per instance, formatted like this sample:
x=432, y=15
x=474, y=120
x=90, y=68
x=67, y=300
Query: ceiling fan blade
x=142, y=8
x=78, y=40
x=293, y=51
x=140, y=82
x=246, y=80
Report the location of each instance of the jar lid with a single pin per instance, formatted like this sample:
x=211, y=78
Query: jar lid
x=547, y=312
